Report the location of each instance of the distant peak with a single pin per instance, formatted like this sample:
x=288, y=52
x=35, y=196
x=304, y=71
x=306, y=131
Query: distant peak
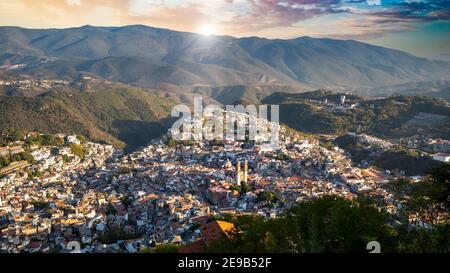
x=137, y=26
x=304, y=38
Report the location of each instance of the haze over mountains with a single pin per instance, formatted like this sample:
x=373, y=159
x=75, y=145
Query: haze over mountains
x=150, y=57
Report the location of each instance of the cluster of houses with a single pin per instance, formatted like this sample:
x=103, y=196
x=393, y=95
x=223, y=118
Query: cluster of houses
x=160, y=194
x=426, y=143
x=24, y=84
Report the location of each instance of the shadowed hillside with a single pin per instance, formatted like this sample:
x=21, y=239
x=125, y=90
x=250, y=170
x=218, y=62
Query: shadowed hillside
x=117, y=114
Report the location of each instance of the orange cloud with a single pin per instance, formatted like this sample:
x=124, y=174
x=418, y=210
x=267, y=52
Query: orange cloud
x=69, y=13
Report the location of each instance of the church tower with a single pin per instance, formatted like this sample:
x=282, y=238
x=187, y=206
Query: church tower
x=228, y=165
x=246, y=171
x=238, y=173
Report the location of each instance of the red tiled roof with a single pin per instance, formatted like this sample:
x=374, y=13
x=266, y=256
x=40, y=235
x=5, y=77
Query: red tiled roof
x=195, y=247
x=35, y=245
x=175, y=226
x=295, y=178
x=216, y=230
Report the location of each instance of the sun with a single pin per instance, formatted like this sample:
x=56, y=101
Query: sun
x=207, y=30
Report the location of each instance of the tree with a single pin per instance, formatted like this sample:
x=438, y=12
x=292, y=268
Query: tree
x=111, y=210
x=333, y=224
x=16, y=135
x=4, y=161
x=171, y=143
x=328, y=224
x=251, y=235
x=245, y=187
x=40, y=205
x=51, y=140
x=115, y=234
x=81, y=138
x=27, y=157
x=66, y=159
x=266, y=196
x=439, y=178
x=282, y=157
x=433, y=190
x=78, y=150
x=167, y=248
x=420, y=240
x=126, y=201
x=235, y=188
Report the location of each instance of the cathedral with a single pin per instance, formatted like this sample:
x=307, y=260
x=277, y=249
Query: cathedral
x=241, y=175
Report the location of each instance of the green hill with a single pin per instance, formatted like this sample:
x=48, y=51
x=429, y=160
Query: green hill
x=387, y=117
x=117, y=114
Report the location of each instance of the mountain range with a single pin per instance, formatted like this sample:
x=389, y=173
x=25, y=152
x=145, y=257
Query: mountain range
x=150, y=57
x=137, y=73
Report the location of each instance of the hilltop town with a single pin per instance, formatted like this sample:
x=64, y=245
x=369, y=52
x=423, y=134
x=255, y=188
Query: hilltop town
x=107, y=201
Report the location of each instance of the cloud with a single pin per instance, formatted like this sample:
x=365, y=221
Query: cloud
x=414, y=11
x=267, y=17
x=359, y=18
x=73, y=2
x=266, y=14
x=374, y=2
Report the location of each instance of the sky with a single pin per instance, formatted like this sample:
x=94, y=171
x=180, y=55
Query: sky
x=421, y=27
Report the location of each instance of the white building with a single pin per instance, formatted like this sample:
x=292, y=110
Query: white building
x=443, y=157
x=73, y=139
